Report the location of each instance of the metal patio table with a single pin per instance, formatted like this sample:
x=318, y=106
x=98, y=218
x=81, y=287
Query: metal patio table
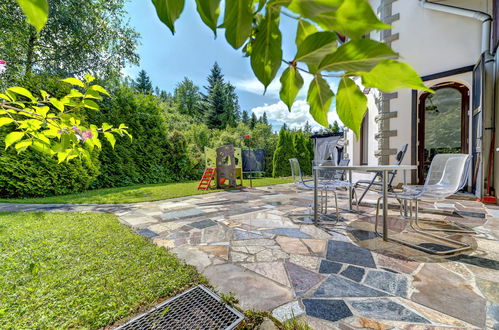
x=385, y=169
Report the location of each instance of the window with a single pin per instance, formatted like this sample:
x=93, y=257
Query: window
x=364, y=140
x=495, y=23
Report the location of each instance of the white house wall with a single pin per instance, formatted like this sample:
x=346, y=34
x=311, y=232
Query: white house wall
x=432, y=42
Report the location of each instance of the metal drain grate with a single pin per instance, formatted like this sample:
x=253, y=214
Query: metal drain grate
x=197, y=308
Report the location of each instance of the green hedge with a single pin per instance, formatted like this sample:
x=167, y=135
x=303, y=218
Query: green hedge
x=155, y=155
x=31, y=174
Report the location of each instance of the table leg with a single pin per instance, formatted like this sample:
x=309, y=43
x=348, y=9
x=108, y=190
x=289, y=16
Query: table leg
x=405, y=200
x=385, y=206
x=315, y=195
x=350, y=193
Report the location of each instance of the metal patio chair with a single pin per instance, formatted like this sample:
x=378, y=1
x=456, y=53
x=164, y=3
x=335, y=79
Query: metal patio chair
x=375, y=182
x=444, y=179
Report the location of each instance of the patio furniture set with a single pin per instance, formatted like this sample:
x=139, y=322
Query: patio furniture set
x=447, y=175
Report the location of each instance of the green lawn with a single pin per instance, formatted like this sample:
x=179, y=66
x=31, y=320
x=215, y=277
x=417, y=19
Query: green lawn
x=70, y=270
x=139, y=193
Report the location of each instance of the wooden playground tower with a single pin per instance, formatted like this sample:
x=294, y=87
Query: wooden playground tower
x=225, y=164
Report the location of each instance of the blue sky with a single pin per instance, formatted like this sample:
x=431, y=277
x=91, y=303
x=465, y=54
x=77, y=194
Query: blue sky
x=192, y=51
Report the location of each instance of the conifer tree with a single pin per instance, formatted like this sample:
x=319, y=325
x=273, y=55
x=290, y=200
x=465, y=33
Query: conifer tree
x=307, y=129
x=143, y=83
x=264, y=119
x=253, y=120
x=302, y=152
x=245, y=118
x=284, y=151
x=215, y=115
x=231, y=106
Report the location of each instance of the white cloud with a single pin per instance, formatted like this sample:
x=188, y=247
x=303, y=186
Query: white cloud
x=278, y=114
x=254, y=86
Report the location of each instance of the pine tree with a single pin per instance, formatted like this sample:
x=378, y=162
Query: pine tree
x=264, y=119
x=335, y=128
x=214, y=77
x=143, y=83
x=231, y=106
x=226, y=109
x=245, y=118
x=283, y=152
x=215, y=113
x=302, y=152
x=284, y=127
x=307, y=128
x=253, y=121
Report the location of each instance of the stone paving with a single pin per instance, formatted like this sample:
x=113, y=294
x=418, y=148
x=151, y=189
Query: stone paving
x=255, y=244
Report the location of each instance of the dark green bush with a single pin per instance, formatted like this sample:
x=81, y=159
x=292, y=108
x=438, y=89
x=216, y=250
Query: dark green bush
x=300, y=143
x=32, y=174
x=284, y=151
x=155, y=155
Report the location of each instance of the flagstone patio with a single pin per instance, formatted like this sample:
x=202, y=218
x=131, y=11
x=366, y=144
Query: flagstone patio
x=249, y=242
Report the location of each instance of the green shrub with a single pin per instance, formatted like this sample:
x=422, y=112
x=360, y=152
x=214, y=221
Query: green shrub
x=32, y=174
x=155, y=155
x=284, y=151
x=300, y=144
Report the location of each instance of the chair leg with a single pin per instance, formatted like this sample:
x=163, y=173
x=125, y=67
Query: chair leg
x=367, y=188
x=356, y=199
x=415, y=227
x=336, y=204
x=376, y=222
x=445, y=222
x=412, y=222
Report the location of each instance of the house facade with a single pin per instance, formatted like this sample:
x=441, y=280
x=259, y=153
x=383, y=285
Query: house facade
x=452, y=44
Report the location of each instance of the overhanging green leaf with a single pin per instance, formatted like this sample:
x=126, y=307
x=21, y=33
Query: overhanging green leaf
x=238, y=17
x=23, y=145
x=304, y=29
x=12, y=138
x=36, y=12
x=315, y=47
x=74, y=82
x=354, y=18
x=5, y=121
x=110, y=138
x=169, y=11
x=357, y=55
x=351, y=104
x=209, y=10
x=389, y=76
x=291, y=83
x=23, y=91
x=266, y=56
x=319, y=98
x=313, y=8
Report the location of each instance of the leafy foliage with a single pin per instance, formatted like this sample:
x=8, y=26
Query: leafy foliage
x=79, y=37
x=255, y=24
x=157, y=154
x=188, y=98
x=49, y=125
